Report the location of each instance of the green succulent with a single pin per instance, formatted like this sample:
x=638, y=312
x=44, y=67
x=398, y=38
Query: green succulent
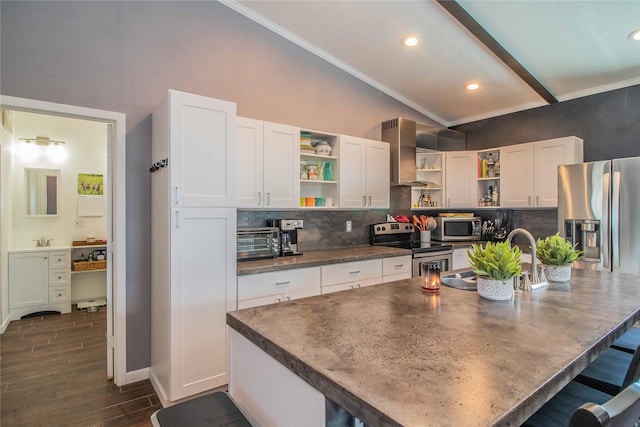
x=495, y=260
x=556, y=250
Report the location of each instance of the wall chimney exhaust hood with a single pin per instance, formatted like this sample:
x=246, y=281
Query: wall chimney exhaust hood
x=406, y=136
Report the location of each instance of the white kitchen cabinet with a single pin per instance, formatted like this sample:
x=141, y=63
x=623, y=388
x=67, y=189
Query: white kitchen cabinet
x=193, y=274
x=460, y=259
x=460, y=179
x=323, y=187
x=350, y=275
x=530, y=171
x=39, y=281
x=429, y=171
x=396, y=268
x=196, y=135
x=267, y=164
x=277, y=286
x=364, y=173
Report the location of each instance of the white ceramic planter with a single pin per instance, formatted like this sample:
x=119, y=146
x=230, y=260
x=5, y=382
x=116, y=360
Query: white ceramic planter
x=497, y=290
x=557, y=273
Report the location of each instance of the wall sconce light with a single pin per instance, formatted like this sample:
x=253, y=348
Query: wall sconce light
x=30, y=149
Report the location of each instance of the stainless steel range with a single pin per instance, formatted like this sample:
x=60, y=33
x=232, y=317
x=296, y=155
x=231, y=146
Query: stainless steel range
x=402, y=235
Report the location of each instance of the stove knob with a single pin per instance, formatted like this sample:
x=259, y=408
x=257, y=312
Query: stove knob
x=384, y=228
x=378, y=228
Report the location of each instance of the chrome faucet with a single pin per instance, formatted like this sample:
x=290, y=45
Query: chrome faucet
x=536, y=281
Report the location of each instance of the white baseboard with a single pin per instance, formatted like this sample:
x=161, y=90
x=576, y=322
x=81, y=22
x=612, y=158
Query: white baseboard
x=5, y=324
x=159, y=390
x=135, y=376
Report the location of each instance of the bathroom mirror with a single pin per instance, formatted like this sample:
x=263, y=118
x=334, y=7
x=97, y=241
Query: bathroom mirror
x=41, y=191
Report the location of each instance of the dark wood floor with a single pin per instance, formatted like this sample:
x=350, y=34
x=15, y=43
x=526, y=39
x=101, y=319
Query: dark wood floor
x=53, y=373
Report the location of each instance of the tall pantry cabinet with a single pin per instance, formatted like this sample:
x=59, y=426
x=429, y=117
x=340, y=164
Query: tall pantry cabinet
x=193, y=225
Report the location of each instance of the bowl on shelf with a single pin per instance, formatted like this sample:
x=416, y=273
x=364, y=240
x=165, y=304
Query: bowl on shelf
x=323, y=148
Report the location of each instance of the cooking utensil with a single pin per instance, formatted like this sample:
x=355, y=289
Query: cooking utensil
x=417, y=223
x=423, y=220
x=431, y=224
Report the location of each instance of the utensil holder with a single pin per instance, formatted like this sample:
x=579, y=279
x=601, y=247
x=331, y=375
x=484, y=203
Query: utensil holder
x=425, y=236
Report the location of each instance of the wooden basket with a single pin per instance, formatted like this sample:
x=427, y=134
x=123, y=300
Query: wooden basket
x=89, y=265
x=85, y=243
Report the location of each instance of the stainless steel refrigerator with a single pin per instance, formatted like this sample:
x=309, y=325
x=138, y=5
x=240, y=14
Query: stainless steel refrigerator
x=599, y=209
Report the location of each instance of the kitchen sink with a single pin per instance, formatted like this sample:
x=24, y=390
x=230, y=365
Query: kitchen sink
x=465, y=280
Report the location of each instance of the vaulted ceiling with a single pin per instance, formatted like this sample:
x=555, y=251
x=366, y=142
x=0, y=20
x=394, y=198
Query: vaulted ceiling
x=522, y=54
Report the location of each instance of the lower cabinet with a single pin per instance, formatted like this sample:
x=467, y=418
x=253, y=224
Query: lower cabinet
x=351, y=275
x=39, y=281
x=268, y=288
x=460, y=259
x=396, y=268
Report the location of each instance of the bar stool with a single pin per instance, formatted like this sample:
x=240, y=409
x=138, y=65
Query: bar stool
x=612, y=371
x=629, y=341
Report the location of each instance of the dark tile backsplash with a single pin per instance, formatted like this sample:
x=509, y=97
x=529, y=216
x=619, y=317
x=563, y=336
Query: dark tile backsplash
x=325, y=229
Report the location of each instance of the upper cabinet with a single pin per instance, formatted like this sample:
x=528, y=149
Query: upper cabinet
x=460, y=179
x=430, y=174
x=197, y=136
x=267, y=164
x=529, y=171
x=364, y=173
x=318, y=169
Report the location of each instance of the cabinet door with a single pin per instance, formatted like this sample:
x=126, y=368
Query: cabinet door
x=249, y=164
x=516, y=176
x=202, y=150
x=377, y=174
x=353, y=173
x=281, y=166
x=28, y=279
x=548, y=155
x=460, y=179
x=203, y=283
x=460, y=259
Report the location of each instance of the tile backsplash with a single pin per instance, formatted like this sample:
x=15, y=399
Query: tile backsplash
x=325, y=229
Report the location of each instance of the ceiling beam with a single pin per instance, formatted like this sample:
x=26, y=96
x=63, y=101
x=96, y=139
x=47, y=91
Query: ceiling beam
x=481, y=34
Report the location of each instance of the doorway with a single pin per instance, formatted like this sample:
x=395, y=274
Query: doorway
x=114, y=216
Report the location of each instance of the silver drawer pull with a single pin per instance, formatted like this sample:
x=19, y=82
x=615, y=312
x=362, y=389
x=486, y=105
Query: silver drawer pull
x=283, y=283
x=399, y=265
x=59, y=277
x=354, y=272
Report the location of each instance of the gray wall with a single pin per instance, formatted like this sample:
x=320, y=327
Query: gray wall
x=608, y=123
x=124, y=56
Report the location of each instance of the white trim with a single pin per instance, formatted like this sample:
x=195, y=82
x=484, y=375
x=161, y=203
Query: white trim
x=497, y=113
x=119, y=214
x=5, y=324
x=162, y=395
x=599, y=89
x=243, y=10
x=139, y=375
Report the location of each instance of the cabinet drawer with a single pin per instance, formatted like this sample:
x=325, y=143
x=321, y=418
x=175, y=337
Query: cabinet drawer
x=59, y=260
x=351, y=271
x=279, y=282
x=59, y=294
x=59, y=277
x=396, y=265
x=394, y=277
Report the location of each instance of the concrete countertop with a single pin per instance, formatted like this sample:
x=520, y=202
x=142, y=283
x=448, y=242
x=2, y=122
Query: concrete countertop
x=391, y=355
x=316, y=258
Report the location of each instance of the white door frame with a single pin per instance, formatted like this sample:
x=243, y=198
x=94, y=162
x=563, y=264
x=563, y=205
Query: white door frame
x=116, y=241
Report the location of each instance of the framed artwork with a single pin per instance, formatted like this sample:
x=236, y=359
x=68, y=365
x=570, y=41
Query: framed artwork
x=90, y=184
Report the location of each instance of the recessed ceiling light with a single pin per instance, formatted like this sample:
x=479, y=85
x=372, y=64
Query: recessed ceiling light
x=410, y=41
x=472, y=86
x=635, y=36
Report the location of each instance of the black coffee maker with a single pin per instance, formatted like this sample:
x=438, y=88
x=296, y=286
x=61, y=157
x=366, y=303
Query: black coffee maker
x=288, y=235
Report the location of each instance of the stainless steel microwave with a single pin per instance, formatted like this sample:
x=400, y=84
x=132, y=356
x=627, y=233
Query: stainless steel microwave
x=457, y=228
x=257, y=243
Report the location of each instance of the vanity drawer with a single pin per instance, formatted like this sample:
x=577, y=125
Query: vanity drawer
x=59, y=277
x=59, y=294
x=60, y=260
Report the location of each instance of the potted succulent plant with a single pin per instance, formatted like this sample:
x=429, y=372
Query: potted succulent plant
x=496, y=264
x=557, y=255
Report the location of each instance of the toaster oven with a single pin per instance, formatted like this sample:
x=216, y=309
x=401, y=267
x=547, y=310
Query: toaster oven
x=257, y=243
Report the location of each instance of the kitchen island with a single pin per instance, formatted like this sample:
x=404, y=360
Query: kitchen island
x=391, y=355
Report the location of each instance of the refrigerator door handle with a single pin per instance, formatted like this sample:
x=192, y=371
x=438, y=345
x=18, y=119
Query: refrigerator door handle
x=615, y=221
x=605, y=229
